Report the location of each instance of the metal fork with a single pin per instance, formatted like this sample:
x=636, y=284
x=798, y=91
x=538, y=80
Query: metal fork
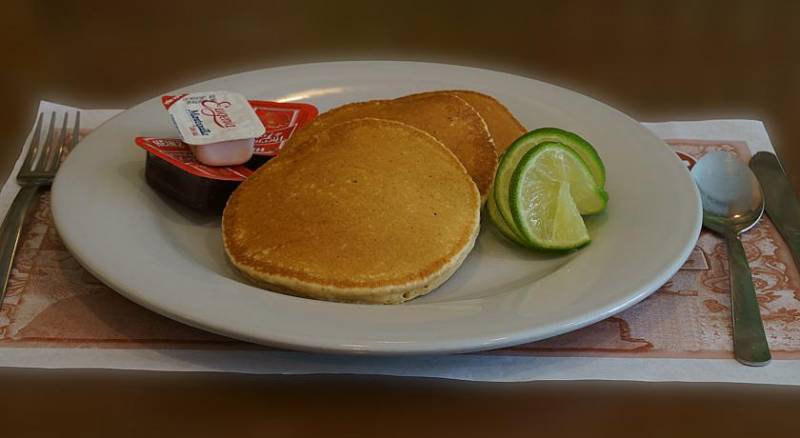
x=36, y=173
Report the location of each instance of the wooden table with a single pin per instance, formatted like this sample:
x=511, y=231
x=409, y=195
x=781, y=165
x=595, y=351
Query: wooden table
x=653, y=60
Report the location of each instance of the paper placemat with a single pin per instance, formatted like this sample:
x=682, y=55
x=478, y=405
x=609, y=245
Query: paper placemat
x=56, y=315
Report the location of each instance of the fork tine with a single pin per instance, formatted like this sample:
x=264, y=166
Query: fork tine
x=48, y=144
x=54, y=152
x=76, y=132
x=34, y=146
x=62, y=145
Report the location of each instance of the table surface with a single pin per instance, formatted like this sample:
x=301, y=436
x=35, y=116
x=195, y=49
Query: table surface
x=653, y=60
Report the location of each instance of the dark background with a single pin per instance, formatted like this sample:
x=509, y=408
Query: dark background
x=676, y=60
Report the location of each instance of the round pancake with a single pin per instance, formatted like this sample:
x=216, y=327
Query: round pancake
x=367, y=211
x=447, y=117
x=503, y=126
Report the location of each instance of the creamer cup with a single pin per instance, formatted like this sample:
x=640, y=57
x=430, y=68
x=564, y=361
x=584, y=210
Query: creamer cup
x=219, y=126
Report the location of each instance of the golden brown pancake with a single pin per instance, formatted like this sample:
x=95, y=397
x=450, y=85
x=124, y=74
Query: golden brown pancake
x=366, y=211
x=503, y=126
x=448, y=118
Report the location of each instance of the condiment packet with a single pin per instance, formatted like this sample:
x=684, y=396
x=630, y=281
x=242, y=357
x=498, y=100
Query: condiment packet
x=213, y=117
x=279, y=120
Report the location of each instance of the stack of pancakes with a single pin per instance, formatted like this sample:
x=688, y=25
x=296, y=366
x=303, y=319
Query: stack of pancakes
x=373, y=202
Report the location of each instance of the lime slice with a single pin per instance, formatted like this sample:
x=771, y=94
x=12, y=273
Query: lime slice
x=549, y=190
x=583, y=148
x=515, y=152
x=497, y=219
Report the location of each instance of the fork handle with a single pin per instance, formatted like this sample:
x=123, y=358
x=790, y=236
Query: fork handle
x=749, y=341
x=11, y=230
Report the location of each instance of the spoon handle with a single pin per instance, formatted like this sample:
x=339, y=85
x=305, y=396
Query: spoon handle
x=749, y=341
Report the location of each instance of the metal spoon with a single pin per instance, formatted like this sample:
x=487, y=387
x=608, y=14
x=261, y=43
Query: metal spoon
x=732, y=204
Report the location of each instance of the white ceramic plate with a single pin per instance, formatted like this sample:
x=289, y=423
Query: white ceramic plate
x=171, y=261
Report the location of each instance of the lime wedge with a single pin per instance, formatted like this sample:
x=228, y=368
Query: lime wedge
x=500, y=224
x=521, y=146
x=583, y=148
x=549, y=191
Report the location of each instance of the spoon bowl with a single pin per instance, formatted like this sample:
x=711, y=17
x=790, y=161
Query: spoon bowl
x=731, y=195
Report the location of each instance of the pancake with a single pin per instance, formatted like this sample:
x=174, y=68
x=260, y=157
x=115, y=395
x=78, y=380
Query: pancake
x=503, y=126
x=367, y=211
x=448, y=118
